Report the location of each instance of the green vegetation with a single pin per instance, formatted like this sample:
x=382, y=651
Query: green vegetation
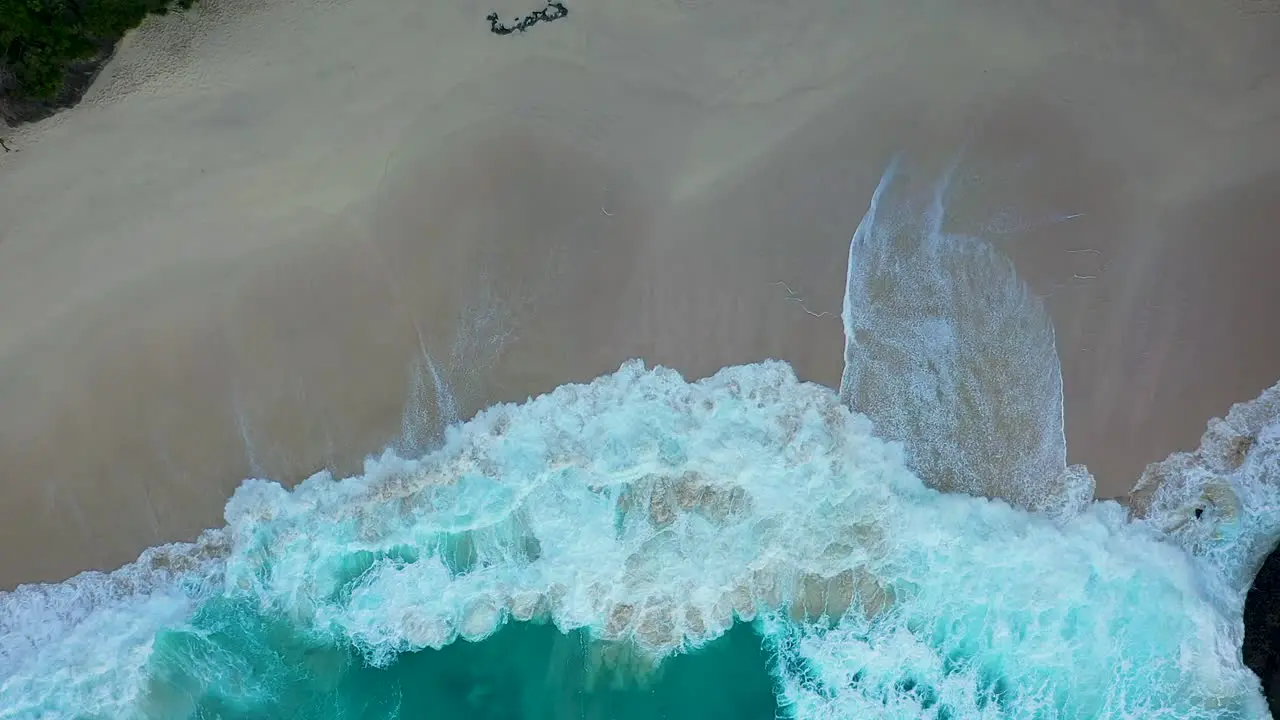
x=40, y=40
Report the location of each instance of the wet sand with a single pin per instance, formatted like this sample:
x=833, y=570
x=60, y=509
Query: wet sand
x=231, y=259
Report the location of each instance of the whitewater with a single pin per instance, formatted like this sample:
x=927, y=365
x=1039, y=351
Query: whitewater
x=852, y=531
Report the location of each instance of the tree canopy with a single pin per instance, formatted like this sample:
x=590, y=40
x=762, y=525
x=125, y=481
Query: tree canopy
x=41, y=40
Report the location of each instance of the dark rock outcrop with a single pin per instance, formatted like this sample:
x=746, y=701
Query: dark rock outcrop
x=1262, y=630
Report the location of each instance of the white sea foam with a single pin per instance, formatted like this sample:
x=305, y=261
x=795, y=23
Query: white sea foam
x=79, y=648
x=651, y=509
x=1222, y=501
x=948, y=352
x=654, y=510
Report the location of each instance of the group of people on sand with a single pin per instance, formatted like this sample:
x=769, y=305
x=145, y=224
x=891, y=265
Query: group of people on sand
x=553, y=11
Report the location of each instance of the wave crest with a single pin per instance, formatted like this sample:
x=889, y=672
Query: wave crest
x=641, y=506
x=654, y=511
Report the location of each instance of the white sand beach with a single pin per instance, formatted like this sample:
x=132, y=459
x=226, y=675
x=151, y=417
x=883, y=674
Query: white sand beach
x=230, y=259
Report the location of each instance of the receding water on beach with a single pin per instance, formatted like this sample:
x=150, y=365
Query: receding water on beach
x=742, y=546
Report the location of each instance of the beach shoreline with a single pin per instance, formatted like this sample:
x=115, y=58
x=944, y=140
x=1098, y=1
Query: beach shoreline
x=281, y=250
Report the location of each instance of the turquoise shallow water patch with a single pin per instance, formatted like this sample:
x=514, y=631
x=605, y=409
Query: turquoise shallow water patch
x=233, y=663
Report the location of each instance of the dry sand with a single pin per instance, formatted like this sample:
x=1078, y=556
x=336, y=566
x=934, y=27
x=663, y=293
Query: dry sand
x=229, y=259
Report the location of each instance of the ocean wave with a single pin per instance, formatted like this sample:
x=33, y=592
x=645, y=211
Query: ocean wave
x=654, y=511
x=1221, y=502
x=79, y=648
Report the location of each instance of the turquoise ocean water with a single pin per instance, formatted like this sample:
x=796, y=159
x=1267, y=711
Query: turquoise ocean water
x=743, y=546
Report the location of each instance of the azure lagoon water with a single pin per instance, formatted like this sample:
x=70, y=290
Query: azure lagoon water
x=643, y=546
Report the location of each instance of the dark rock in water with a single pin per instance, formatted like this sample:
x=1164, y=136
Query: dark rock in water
x=1262, y=629
x=552, y=12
